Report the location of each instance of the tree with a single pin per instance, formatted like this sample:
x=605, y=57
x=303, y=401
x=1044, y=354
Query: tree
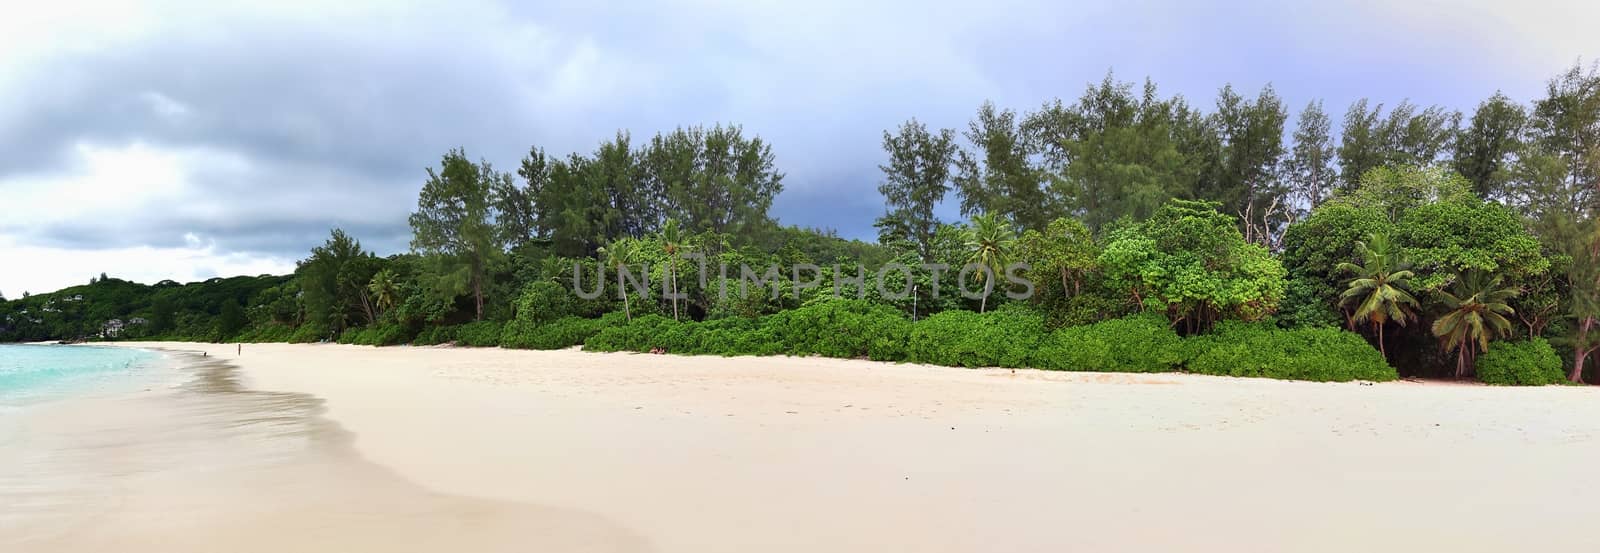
x=1192, y=262
x=1477, y=310
x=384, y=290
x=1380, y=291
x=915, y=181
x=231, y=320
x=671, y=239
x=333, y=281
x=1487, y=146
x=713, y=179
x=989, y=242
x=1585, y=281
x=995, y=176
x=455, y=221
x=1405, y=137
x=1395, y=191
x=1064, y=250
x=1116, y=154
x=618, y=256
x=1309, y=168
x=1251, y=134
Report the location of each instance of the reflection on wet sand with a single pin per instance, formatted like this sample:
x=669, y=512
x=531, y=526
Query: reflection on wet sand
x=214, y=466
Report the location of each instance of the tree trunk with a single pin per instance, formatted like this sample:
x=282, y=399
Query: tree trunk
x=988, y=287
x=1381, y=349
x=366, y=305
x=674, y=275
x=626, y=310
x=1580, y=351
x=477, y=294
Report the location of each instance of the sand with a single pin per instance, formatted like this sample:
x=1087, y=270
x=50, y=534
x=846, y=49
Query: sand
x=487, y=449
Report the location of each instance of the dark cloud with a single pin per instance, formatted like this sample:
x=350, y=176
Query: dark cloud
x=295, y=119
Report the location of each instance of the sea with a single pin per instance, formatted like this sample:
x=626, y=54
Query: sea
x=31, y=373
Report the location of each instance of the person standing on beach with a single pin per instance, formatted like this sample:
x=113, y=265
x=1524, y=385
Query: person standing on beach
x=240, y=350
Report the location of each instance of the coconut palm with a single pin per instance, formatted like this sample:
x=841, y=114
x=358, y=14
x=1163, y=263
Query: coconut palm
x=1477, y=314
x=671, y=237
x=385, y=292
x=989, y=242
x=618, y=255
x=1379, y=292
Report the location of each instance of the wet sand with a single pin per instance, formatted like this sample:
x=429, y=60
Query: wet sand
x=700, y=454
x=211, y=466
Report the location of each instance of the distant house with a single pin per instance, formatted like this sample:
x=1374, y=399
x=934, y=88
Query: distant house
x=112, y=328
x=137, y=321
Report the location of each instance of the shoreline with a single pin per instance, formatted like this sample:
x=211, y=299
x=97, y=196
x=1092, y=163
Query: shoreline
x=207, y=464
x=700, y=453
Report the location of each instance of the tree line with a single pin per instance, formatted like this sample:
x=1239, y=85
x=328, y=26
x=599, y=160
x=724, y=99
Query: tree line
x=1434, y=235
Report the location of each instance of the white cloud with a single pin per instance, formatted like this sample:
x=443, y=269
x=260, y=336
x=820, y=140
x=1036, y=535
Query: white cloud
x=36, y=269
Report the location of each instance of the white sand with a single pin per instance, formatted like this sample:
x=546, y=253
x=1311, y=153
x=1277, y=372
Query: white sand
x=704, y=454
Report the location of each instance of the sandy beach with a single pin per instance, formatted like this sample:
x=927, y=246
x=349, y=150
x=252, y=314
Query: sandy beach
x=434, y=449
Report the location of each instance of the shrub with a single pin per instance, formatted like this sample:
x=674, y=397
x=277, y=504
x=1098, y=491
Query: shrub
x=1143, y=342
x=382, y=334
x=840, y=328
x=478, y=334
x=544, y=301
x=1259, y=349
x=435, y=335
x=309, y=333
x=271, y=332
x=1526, y=363
x=1006, y=337
x=640, y=335
x=558, y=334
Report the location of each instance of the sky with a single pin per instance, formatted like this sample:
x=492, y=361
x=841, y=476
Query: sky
x=186, y=140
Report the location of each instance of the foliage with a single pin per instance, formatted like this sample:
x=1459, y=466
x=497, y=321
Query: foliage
x=1006, y=337
x=478, y=334
x=1192, y=263
x=1261, y=350
x=382, y=334
x=1522, y=363
x=914, y=182
x=841, y=328
x=1380, y=292
x=558, y=334
x=1477, y=310
x=455, y=223
x=1445, y=238
x=1138, y=343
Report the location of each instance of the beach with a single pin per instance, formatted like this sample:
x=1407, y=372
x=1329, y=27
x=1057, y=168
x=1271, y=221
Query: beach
x=351, y=448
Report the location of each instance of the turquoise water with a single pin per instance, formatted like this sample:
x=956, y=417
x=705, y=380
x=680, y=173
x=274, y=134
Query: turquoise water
x=34, y=371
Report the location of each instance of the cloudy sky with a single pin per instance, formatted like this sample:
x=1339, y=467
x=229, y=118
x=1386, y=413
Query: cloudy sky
x=182, y=140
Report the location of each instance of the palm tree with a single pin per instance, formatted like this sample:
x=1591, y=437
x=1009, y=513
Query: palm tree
x=672, y=243
x=1379, y=291
x=989, y=241
x=1477, y=313
x=618, y=255
x=385, y=293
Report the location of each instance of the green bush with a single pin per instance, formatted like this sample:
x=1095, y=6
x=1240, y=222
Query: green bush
x=1526, y=363
x=435, y=335
x=558, y=334
x=382, y=334
x=840, y=328
x=1259, y=349
x=1143, y=342
x=266, y=333
x=545, y=301
x=478, y=334
x=1006, y=337
x=640, y=335
x=309, y=333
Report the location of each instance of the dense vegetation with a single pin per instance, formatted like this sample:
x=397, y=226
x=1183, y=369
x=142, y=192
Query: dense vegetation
x=1159, y=236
